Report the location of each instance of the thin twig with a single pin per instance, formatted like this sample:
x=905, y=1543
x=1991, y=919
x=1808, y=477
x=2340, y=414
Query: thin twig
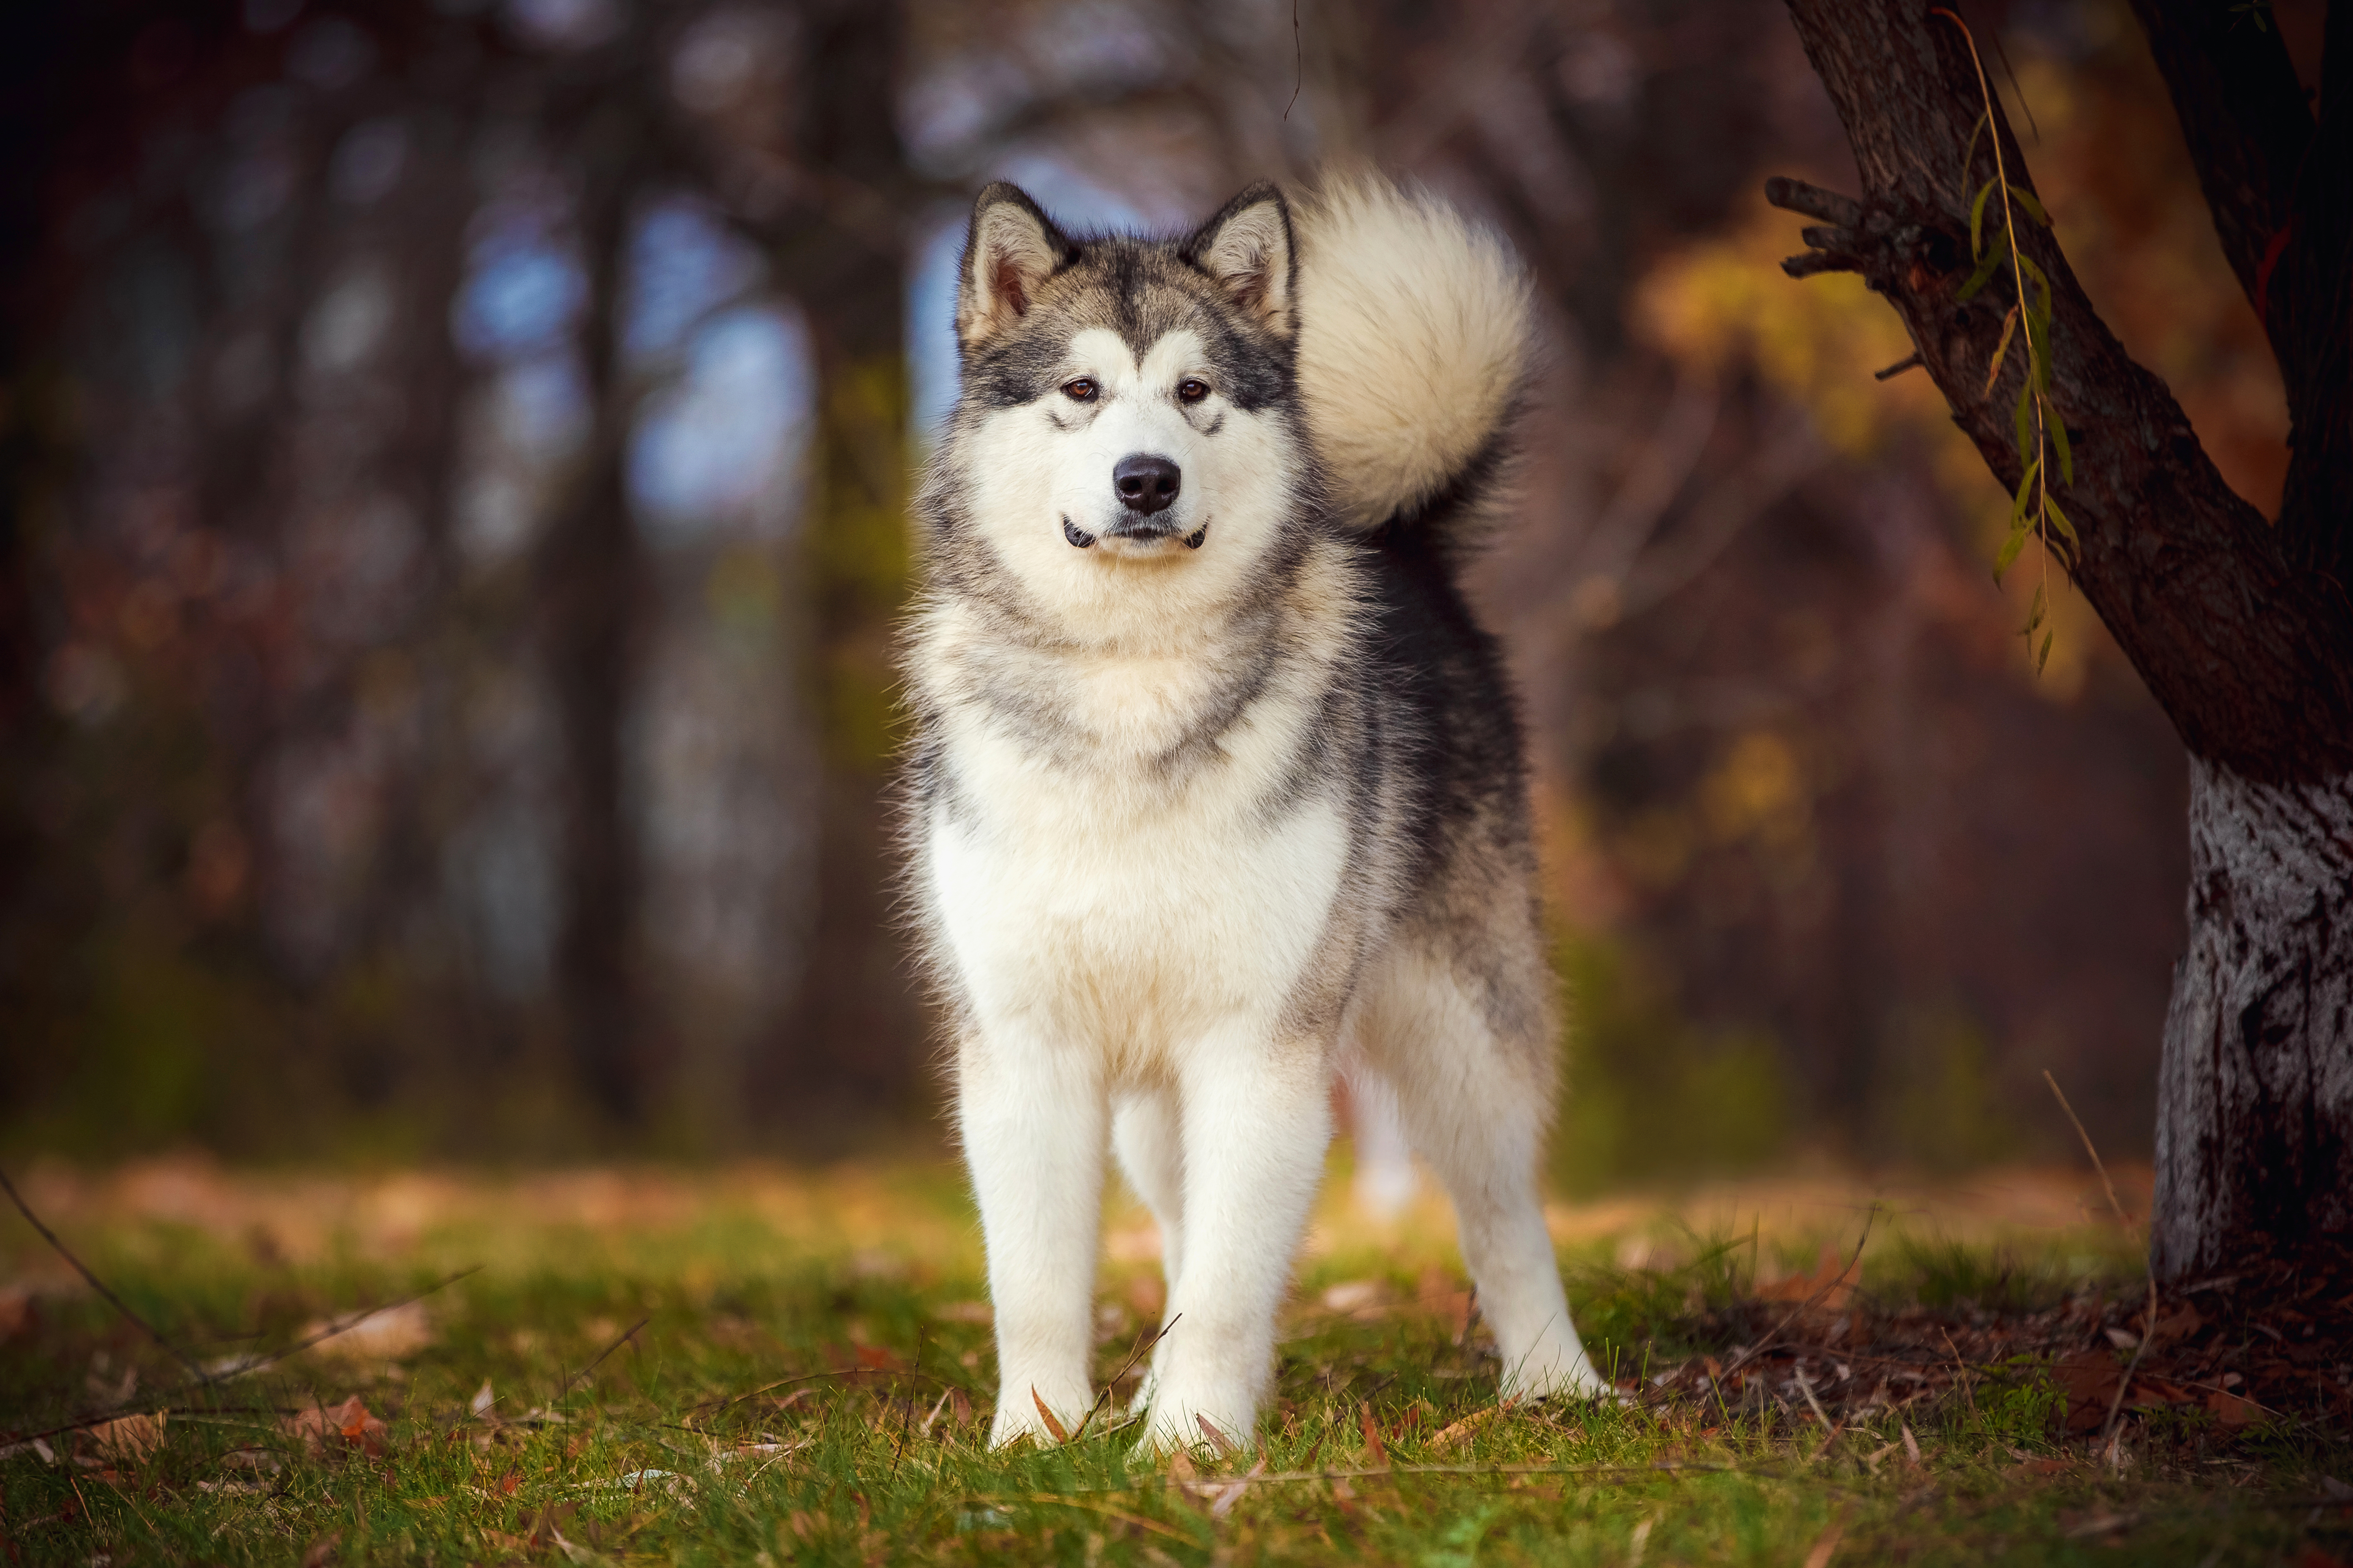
x=1143, y=1345
x=906, y=1419
x=1298, y=64
x=1753, y=1351
x=629, y=1335
x=212, y=1380
x=82, y=1424
x=2096, y=1164
x=718, y=1404
x=1376, y=1472
x=343, y=1325
x=1806, y=1387
x=97, y=1284
x=2149, y=1325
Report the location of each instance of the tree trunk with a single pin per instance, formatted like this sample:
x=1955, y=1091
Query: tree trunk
x=2254, y=1126
x=589, y=602
x=2240, y=627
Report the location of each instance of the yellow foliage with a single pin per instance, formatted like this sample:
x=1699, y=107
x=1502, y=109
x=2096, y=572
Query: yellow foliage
x=1756, y=791
x=1724, y=304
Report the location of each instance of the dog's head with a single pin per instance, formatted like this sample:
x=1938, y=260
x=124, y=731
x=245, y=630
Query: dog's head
x=1129, y=425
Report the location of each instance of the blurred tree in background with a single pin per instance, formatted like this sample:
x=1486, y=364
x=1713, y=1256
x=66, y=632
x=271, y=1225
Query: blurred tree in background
x=456, y=452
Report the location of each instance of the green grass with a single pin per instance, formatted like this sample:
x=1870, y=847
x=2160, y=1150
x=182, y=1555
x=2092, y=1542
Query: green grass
x=811, y=1384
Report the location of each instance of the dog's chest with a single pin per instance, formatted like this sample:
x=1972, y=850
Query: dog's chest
x=1094, y=893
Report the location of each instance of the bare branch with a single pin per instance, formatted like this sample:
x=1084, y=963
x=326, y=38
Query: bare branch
x=2250, y=657
x=1798, y=196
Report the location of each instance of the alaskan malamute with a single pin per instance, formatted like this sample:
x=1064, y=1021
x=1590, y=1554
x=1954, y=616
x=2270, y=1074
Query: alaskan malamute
x=1217, y=790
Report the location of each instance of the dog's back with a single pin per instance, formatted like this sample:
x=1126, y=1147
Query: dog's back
x=1218, y=783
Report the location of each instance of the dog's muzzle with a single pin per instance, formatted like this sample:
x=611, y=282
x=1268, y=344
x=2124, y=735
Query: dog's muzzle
x=1080, y=538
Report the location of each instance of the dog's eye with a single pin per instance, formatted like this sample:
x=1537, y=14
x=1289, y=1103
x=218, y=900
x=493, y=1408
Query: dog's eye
x=1080, y=391
x=1190, y=389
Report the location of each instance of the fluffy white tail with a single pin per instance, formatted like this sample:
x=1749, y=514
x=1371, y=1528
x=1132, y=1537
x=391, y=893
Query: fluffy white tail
x=1413, y=339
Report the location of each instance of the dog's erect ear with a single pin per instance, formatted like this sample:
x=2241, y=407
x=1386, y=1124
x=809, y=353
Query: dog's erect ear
x=1248, y=248
x=1012, y=248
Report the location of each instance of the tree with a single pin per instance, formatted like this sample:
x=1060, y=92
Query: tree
x=2240, y=626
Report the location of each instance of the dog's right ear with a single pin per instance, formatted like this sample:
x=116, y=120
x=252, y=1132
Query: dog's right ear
x=1013, y=248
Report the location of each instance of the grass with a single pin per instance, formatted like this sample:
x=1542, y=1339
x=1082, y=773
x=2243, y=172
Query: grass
x=799, y=1370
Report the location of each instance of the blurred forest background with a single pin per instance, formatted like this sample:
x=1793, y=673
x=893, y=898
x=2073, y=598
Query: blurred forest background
x=452, y=529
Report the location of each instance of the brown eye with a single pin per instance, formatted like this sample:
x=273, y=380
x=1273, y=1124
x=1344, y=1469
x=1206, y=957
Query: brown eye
x=1192, y=391
x=1080, y=391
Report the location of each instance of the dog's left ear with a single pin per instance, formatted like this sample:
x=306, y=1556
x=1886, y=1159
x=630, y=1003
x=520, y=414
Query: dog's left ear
x=1247, y=248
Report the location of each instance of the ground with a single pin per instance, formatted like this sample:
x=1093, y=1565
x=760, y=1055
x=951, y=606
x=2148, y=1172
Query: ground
x=759, y=1366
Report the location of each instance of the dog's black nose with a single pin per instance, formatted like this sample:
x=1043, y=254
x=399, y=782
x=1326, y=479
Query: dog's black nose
x=1145, y=484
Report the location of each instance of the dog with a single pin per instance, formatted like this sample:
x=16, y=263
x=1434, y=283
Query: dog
x=1217, y=788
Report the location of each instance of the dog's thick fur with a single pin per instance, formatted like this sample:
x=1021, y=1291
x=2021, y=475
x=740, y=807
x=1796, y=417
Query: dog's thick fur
x=1211, y=803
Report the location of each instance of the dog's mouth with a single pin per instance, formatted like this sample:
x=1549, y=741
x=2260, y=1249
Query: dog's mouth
x=1134, y=531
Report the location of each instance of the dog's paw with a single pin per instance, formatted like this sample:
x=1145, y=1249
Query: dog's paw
x=1223, y=1424
x=1029, y=1414
x=1558, y=1371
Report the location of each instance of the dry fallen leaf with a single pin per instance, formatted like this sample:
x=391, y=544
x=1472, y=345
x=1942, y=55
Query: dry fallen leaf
x=322, y=1551
x=348, y=1424
x=127, y=1441
x=1833, y=1281
x=1463, y=1430
x=387, y=1334
x=1355, y=1295
x=1378, y=1455
x=16, y=1313
x=2233, y=1411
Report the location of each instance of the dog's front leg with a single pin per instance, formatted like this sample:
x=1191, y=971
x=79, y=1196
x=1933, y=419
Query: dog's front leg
x=1256, y=1116
x=1033, y=1116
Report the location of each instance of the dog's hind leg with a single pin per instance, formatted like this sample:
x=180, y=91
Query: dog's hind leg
x=1147, y=1133
x=1474, y=1082
x=1257, y=1117
x=1032, y=1117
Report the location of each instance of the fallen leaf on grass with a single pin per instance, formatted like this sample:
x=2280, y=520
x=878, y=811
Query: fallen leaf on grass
x=1826, y=1544
x=1833, y=1281
x=1355, y=1295
x=2100, y=1522
x=349, y=1425
x=1222, y=1497
x=17, y=1312
x=1463, y=1431
x=1373, y=1449
x=2090, y=1379
x=2233, y=1411
x=387, y=1333
x=127, y=1441
x=322, y=1551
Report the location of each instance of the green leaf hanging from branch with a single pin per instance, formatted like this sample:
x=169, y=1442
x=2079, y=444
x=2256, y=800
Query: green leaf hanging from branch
x=2041, y=432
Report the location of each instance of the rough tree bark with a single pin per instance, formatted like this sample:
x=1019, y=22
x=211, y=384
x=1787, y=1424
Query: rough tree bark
x=2240, y=627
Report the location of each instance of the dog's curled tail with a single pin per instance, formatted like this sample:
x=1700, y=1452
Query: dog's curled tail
x=1413, y=341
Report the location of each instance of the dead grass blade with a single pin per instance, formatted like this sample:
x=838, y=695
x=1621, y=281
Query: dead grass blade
x=2149, y=1324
